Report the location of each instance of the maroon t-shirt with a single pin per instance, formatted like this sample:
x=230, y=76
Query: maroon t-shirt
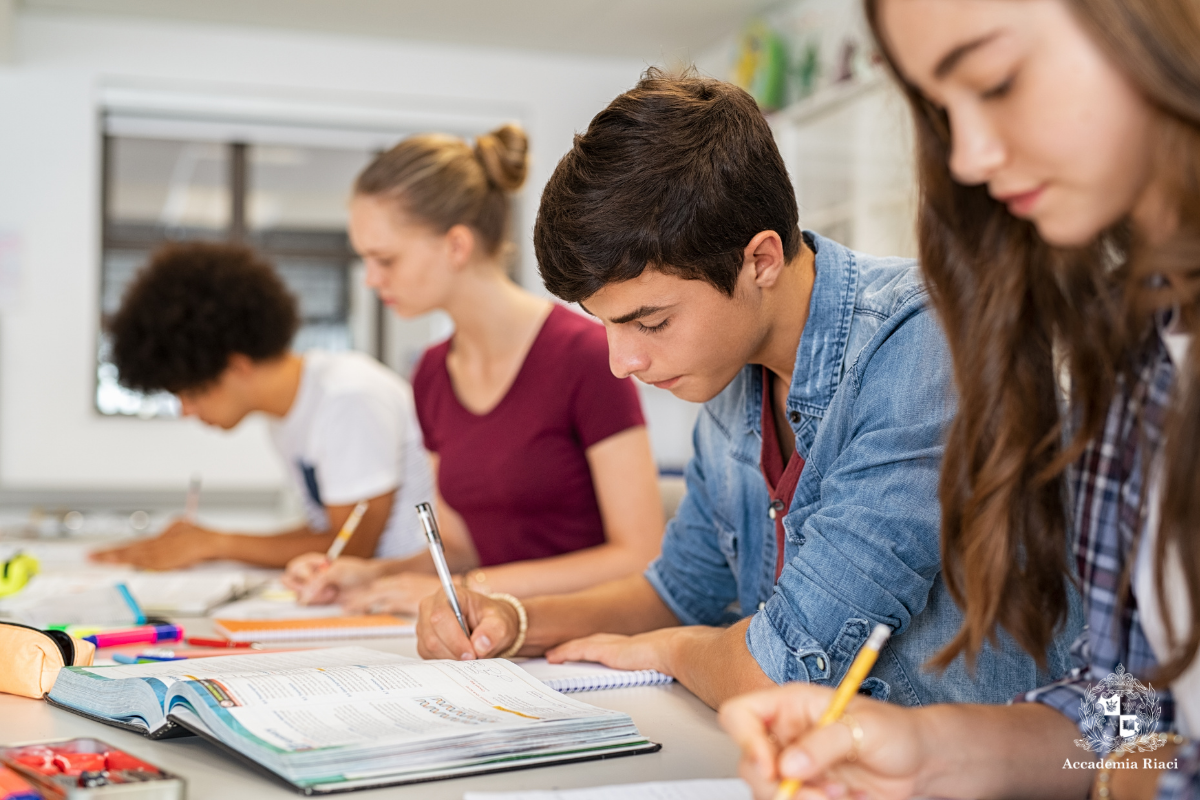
x=781, y=480
x=518, y=474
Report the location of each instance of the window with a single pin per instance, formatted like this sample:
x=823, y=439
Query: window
x=286, y=200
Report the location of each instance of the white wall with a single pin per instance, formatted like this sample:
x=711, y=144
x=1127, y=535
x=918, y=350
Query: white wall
x=50, y=437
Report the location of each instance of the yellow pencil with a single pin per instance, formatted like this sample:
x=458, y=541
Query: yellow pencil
x=845, y=693
x=305, y=594
x=339, y=542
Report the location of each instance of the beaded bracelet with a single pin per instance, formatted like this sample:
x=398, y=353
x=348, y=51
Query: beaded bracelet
x=1102, y=790
x=523, y=623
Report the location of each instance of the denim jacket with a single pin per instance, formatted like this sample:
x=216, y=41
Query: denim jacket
x=870, y=401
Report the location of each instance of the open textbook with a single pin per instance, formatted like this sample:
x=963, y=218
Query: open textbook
x=351, y=718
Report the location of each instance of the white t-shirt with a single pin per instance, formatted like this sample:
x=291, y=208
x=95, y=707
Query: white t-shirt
x=1186, y=688
x=352, y=434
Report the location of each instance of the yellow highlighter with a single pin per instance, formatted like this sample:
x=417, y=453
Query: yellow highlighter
x=845, y=693
x=16, y=572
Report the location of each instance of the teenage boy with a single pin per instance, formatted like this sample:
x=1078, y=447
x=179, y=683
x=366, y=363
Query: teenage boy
x=212, y=324
x=811, y=511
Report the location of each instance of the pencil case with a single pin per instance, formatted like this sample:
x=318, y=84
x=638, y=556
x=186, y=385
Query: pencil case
x=89, y=769
x=32, y=658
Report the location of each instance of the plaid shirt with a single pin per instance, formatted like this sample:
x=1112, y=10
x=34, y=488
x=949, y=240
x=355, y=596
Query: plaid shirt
x=1106, y=490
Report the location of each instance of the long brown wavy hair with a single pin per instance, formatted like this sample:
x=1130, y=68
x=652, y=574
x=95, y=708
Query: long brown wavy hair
x=1021, y=315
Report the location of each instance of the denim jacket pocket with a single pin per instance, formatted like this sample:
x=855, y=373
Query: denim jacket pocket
x=876, y=689
x=844, y=650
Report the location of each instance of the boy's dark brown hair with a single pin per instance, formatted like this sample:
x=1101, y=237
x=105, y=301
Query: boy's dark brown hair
x=678, y=174
x=191, y=308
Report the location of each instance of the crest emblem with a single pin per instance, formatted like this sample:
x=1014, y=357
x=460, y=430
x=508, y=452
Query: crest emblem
x=1120, y=713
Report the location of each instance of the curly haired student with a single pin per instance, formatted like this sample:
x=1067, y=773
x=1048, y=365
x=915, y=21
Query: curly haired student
x=212, y=324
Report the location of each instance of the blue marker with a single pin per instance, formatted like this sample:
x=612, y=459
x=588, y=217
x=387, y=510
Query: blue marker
x=142, y=658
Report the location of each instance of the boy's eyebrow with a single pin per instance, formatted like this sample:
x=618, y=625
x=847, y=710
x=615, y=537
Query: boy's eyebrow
x=637, y=313
x=951, y=60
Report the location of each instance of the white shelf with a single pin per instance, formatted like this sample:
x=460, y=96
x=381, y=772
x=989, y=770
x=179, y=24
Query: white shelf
x=848, y=151
x=827, y=100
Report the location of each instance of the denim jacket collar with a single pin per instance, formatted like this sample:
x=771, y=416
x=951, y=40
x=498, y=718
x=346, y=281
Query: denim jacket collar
x=817, y=372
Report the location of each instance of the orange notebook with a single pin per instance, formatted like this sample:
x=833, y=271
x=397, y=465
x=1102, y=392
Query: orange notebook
x=296, y=630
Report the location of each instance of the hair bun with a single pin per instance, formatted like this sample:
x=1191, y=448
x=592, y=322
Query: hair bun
x=504, y=154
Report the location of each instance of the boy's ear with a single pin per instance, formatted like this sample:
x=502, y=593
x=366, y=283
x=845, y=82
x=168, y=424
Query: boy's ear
x=240, y=364
x=765, y=256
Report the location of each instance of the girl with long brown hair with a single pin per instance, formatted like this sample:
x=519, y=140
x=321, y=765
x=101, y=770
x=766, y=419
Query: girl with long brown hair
x=1058, y=149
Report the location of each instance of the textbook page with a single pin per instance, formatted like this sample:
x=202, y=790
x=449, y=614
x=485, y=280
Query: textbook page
x=345, y=706
x=274, y=608
x=273, y=600
x=221, y=666
x=189, y=592
x=730, y=789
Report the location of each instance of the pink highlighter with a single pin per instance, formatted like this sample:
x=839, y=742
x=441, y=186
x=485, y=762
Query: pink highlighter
x=147, y=634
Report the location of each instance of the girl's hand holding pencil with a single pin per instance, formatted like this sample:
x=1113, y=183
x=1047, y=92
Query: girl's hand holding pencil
x=777, y=732
x=811, y=742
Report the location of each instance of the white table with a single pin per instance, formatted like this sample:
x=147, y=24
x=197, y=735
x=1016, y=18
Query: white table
x=693, y=745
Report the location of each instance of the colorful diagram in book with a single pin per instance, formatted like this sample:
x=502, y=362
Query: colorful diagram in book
x=444, y=709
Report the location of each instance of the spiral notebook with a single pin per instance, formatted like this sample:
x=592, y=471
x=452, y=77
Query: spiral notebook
x=581, y=676
x=297, y=630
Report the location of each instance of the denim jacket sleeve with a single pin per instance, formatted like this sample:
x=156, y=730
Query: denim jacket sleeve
x=863, y=540
x=692, y=575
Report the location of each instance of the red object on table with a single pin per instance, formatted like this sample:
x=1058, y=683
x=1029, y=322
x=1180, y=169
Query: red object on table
x=75, y=763
x=117, y=761
x=38, y=758
x=196, y=641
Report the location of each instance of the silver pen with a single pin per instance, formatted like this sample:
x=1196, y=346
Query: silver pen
x=429, y=522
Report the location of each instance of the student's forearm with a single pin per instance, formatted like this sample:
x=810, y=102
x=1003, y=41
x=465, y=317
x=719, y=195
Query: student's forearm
x=420, y=562
x=714, y=663
x=272, y=550
x=569, y=572
x=629, y=605
x=971, y=751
